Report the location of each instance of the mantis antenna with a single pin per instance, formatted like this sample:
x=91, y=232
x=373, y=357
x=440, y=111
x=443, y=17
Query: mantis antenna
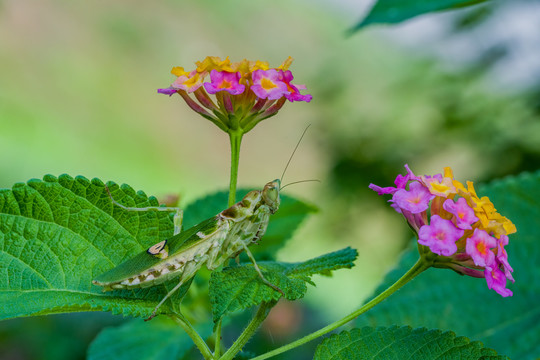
x=294, y=151
x=298, y=182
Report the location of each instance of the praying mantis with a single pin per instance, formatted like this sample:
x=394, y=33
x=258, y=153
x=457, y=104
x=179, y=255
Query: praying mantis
x=210, y=243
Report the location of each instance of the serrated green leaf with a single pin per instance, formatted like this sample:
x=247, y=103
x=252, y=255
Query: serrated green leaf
x=395, y=11
x=57, y=234
x=444, y=300
x=240, y=287
x=324, y=264
x=283, y=223
x=160, y=339
x=401, y=343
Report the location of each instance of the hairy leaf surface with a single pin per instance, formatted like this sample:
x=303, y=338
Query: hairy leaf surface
x=240, y=287
x=401, y=343
x=442, y=299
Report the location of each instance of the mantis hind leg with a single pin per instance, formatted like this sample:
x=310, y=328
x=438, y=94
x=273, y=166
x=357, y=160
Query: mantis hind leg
x=250, y=255
x=177, y=219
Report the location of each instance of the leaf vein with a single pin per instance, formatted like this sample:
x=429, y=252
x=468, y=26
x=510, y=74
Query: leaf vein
x=28, y=266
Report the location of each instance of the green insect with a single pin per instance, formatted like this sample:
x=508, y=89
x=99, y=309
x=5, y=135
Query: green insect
x=209, y=243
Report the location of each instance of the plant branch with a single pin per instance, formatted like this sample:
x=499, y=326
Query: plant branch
x=249, y=331
x=217, y=344
x=417, y=268
x=194, y=335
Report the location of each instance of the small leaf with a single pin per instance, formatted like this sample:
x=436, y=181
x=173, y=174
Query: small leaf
x=324, y=264
x=444, y=300
x=160, y=338
x=240, y=287
x=282, y=224
x=58, y=234
x=395, y=11
x=401, y=343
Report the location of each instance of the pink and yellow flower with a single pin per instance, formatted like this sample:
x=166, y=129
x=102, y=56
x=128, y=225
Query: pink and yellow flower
x=415, y=200
x=224, y=81
x=456, y=229
x=479, y=247
x=440, y=236
x=293, y=90
x=246, y=92
x=463, y=214
x=267, y=84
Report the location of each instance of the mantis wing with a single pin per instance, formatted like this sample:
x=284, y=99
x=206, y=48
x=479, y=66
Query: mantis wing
x=144, y=261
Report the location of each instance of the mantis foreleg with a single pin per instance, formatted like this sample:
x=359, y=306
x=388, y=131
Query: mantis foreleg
x=180, y=283
x=177, y=219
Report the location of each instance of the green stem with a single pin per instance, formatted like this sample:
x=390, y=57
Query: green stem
x=217, y=345
x=194, y=335
x=419, y=267
x=249, y=331
x=236, y=140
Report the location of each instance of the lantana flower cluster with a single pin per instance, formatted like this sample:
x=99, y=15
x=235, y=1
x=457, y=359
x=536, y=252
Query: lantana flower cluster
x=456, y=229
x=245, y=92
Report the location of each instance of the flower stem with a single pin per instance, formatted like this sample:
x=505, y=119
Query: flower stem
x=235, y=137
x=217, y=345
x=194, y=335
x=417, y=268
x=249, y=331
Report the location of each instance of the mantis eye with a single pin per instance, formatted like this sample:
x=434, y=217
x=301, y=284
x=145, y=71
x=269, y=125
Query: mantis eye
x=159, y=250
x=272, y=194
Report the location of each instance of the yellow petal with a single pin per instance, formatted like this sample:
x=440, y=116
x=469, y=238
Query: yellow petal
x=178, y=71
x=213, y=63
x=285, y=66
x=509, y=227
x=261, y=65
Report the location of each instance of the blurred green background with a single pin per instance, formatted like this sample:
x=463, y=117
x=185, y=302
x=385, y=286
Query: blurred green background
x=78, y=95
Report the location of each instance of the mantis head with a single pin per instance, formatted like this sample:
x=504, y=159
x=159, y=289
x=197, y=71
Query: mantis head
x=270, y=195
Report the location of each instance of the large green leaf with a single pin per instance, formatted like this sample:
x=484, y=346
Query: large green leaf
x=240, y=287
x=444, y=300
x=282, y=224
x=395, y=11
x=401, y=343
x=160, y=338
x=57, y=234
